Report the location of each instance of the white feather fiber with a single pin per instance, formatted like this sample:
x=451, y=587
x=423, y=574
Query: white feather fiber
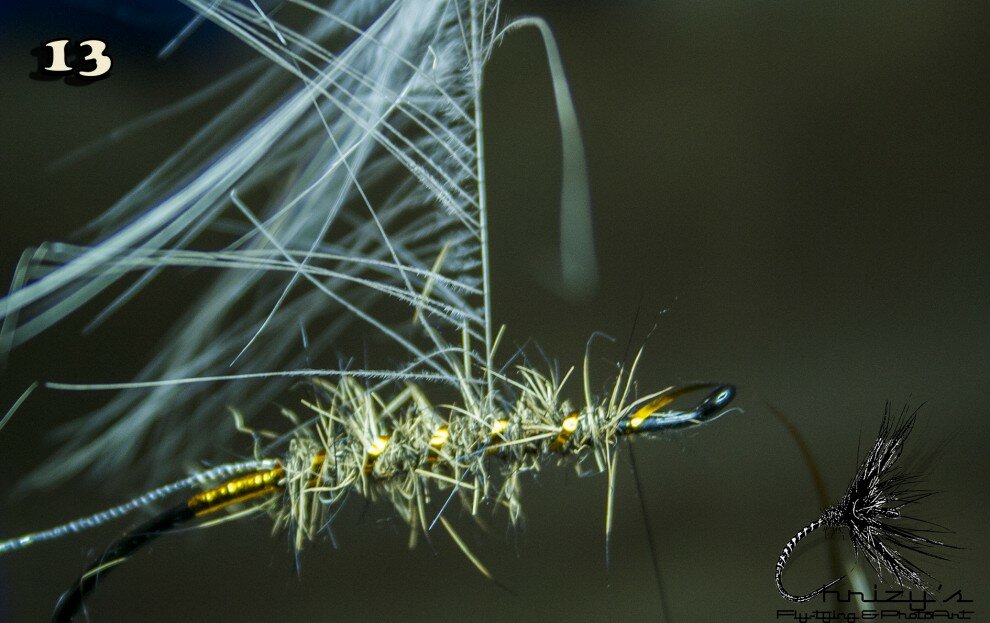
x=347, y=185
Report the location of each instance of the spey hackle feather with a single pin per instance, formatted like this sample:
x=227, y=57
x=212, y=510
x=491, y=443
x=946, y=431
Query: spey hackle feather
x=346, y=183
x=875, y=512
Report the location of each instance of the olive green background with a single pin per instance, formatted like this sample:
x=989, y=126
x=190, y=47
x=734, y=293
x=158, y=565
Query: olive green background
x=794, y=194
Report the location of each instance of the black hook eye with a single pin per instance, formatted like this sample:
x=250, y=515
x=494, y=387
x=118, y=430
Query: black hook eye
x=717, y=400
x=653, y=416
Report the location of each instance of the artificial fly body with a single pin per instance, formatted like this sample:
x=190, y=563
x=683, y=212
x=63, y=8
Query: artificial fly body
x=872, y=512
x=404, y=464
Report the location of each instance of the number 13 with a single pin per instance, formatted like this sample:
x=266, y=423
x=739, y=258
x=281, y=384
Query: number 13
x=96, y=54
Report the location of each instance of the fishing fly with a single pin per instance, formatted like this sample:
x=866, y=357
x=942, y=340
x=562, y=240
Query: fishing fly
x=875, y=512
x=347, y=182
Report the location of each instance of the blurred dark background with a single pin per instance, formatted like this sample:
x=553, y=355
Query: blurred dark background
x=795, y=195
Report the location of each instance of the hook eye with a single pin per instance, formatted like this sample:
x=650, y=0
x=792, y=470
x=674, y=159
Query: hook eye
x=653, y=416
